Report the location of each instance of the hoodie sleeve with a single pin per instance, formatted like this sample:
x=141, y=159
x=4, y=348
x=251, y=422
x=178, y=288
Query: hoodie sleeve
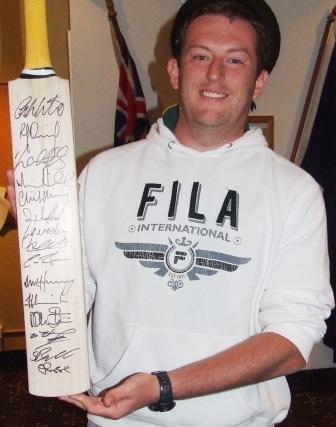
x=89, y=282
x=298, y=297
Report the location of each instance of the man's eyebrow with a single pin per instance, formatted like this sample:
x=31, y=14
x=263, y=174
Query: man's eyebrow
x=230, y=50
x=239, y=49
x=199, y=46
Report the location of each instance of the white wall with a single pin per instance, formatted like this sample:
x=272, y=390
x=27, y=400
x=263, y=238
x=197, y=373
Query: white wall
x=94, y=73
x=93, y=66
x=302, y=23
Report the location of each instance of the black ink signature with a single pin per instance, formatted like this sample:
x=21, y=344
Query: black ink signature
x=48, y=179
x=32, y=300
x=44, y=245
x=31, y=131
x=52, y=318
x=46, y=368
x=44, y=259
x=54, y=336
x=51, y=213
x=42, y=281
x=44, y=354
x=40, y=197
x=33, y=107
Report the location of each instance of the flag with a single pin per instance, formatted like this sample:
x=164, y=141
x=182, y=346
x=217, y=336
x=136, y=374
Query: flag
x=320, y=162
x=131, y=122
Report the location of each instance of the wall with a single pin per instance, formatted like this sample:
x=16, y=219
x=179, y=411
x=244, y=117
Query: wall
x=94, y=70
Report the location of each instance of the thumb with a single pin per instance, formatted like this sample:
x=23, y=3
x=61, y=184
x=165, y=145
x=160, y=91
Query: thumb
x=109, y=398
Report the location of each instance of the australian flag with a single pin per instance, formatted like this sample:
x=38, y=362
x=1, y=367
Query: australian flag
x=320, y=162
x=131, y=122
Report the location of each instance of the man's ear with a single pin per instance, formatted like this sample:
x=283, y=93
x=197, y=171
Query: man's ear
x=260, y=84
x=173, y=72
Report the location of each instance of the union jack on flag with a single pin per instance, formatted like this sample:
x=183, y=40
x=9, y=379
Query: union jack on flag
x=131, y=122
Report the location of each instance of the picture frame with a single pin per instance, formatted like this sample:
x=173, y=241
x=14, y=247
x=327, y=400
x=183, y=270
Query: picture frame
x=266, y=123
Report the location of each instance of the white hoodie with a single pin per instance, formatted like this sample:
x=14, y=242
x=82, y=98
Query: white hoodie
x=187, y=253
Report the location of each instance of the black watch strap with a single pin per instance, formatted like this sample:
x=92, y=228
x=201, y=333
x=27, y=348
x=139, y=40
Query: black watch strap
x=165, y=402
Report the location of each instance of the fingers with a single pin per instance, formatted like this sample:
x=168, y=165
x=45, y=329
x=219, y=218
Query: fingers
x=92, y=404
x=82, y=401
x=10, y=177
x=11, y=191
x=75, y=402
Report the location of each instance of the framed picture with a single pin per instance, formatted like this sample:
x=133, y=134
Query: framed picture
x=266, y=123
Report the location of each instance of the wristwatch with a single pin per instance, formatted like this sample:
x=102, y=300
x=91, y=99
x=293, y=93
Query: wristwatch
x=165, y=403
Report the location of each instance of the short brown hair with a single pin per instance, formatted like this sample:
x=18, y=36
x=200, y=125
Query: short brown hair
x=256, y=12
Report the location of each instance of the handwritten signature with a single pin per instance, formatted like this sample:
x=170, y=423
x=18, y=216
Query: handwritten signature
x=46, y=368
x=34, y=107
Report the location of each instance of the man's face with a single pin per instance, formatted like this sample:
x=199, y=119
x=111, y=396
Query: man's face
x=217, y=74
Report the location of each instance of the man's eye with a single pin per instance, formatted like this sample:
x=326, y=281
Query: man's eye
x=200, y=57
x=235, y=61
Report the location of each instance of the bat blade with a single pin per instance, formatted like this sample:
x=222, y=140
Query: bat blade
x=49, y=235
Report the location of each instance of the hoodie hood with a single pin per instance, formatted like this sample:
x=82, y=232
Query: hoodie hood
x=161, y=133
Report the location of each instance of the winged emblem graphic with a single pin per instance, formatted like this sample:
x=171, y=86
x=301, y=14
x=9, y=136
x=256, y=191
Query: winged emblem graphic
x=180, y=257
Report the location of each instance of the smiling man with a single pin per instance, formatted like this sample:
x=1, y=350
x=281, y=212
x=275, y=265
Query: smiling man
x=217, y=75
x=206, y=265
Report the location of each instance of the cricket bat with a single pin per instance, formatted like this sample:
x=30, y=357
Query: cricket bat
x=48, y=220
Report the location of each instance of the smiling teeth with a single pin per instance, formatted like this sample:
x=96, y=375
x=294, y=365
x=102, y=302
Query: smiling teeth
x=213, y=94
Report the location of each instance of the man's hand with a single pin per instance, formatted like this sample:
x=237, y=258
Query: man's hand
x=11, y=191
x=135, y=392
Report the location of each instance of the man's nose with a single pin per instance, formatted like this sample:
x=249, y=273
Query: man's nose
x=215, y=70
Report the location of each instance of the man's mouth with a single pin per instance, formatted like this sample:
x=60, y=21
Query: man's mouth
x=213, y=95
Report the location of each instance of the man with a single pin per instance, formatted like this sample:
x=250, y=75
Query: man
x=204, y=251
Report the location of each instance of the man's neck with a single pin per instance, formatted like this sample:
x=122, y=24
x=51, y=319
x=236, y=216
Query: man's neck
x=201, y=138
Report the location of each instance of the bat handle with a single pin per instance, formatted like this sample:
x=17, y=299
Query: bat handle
x=37, y=49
